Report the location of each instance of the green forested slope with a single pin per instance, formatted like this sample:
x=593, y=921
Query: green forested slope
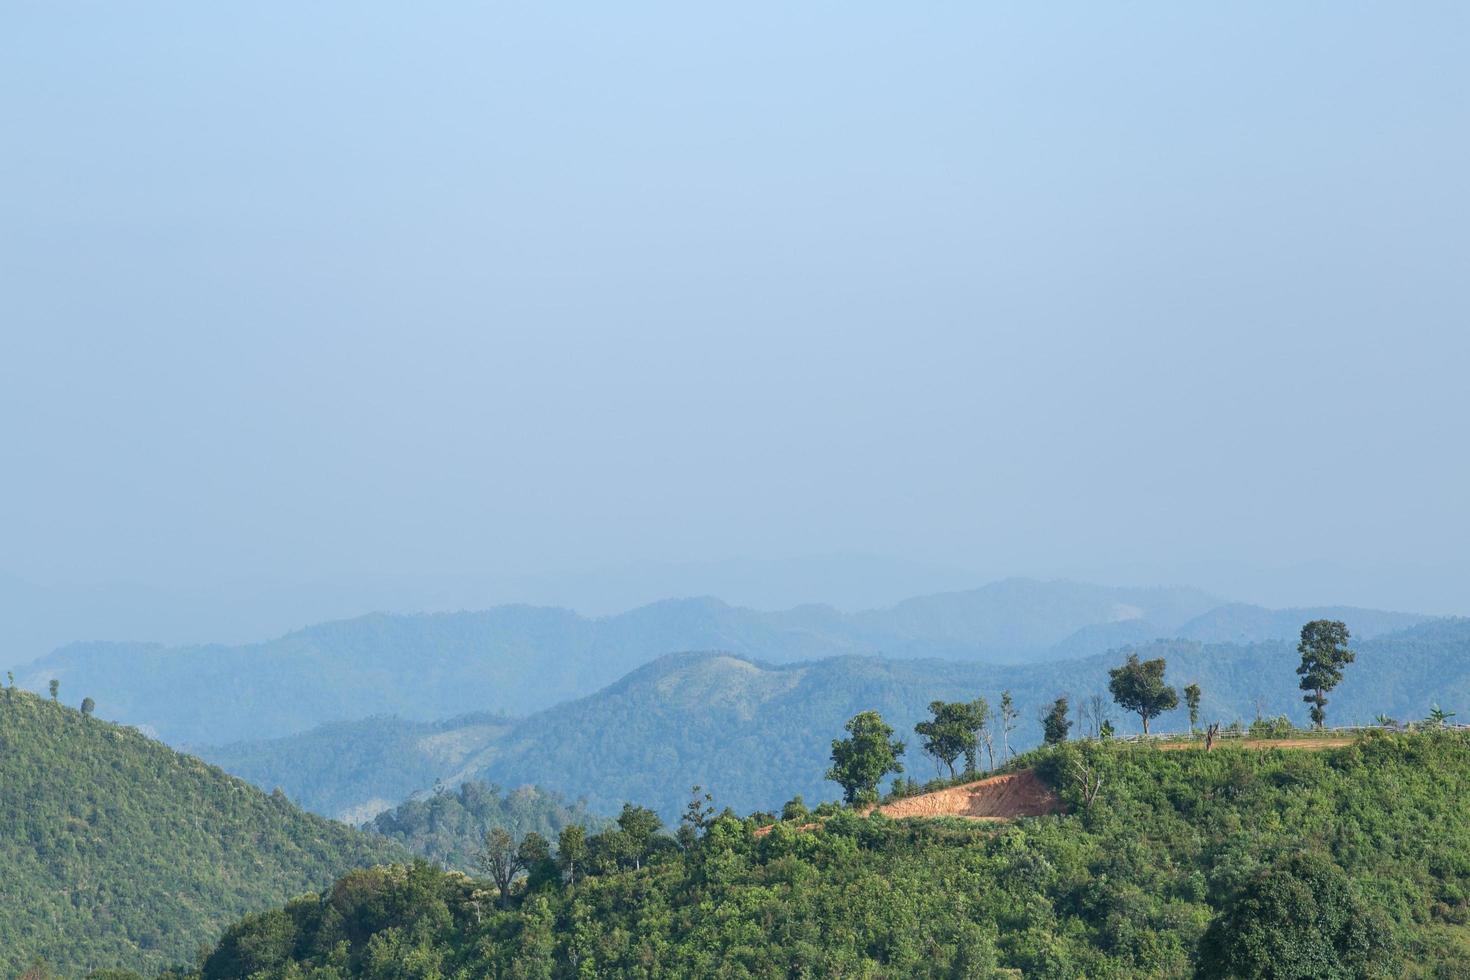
x=1340, y=864
x=449, y=827
x=354, y=770
x=116, y=849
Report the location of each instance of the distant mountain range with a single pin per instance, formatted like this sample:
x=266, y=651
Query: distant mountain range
x=520, y=659
x=754, y=733
x=36, y=619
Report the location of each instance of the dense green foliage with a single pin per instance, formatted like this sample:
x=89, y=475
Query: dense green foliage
x=519, y=659
x=864, y=757
x=1375, y=836
x=449, y=828
x=1299, y=919
x=954, y=730
x=756, y=734
x=1138, y=688
x=1324, y=653
x=1055, y=726
x=116, y=849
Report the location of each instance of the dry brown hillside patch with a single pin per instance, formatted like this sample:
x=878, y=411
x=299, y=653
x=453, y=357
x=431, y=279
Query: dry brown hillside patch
x=1019, y=794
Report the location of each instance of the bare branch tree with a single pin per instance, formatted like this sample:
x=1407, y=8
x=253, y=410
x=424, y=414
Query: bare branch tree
x=1086, y=777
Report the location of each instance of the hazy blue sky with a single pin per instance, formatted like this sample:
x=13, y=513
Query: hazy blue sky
x=1122, y=290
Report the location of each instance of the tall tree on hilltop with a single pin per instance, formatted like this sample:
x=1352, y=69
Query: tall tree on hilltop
x=1055, y=724
x=947, y=735
x=976, y=716
x=55, y=687
x=1097, y=705
x=1139, y=687
x=860, y=761
x=1008, y=715
x=1324, y=653
x=1191, y=698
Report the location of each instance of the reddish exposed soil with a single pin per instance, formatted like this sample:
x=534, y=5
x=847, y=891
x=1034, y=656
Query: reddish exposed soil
x=1020, y=794
x=800, y=829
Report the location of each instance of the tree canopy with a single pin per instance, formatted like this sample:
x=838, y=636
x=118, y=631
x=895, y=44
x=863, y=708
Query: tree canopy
x=1192, y=696
x=860, y=761
x=953, y=731
x=1138, y=686
x=1055, y=724
x=1324, y=650
x=1299, y=919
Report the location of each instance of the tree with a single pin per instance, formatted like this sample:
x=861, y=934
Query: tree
x=1324, y=653
x=88, y=706
x=976, y=715
x=638, y=825
x=1298, y=919
x=796, y=809
x=861, y=761
x=534, y=853
x=1139, y=687
x=1191, y=698
x=38, y=970
x=1439, y=717
x=1097, y=704
x=500, y=858
x=1008, y=716
x=947, y=735
x=987, y=738
x=1055, y=724
x=1080, y=769
x=697, y=815
x=955, y=730
x=503, y=858
x=1105, y=730
x=571, y=850
x=55, y=687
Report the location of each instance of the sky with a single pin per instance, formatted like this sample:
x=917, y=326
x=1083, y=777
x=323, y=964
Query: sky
x=1144, y=292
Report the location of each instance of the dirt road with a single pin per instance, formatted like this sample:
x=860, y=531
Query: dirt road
x=1309, y=744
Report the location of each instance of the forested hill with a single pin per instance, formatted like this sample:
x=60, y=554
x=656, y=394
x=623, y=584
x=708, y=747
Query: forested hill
x=448, y=827
x=755, y=733
x=1235, y=863
x=520, y=659
x=114, y=849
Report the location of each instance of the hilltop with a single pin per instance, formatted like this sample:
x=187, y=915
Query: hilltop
x=448, y=826
x=1234, y=863
x=516, y=660
x=118, y=850
x=755, y=732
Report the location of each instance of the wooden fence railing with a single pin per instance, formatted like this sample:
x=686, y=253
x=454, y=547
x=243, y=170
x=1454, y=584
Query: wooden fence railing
x=1305, y=733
